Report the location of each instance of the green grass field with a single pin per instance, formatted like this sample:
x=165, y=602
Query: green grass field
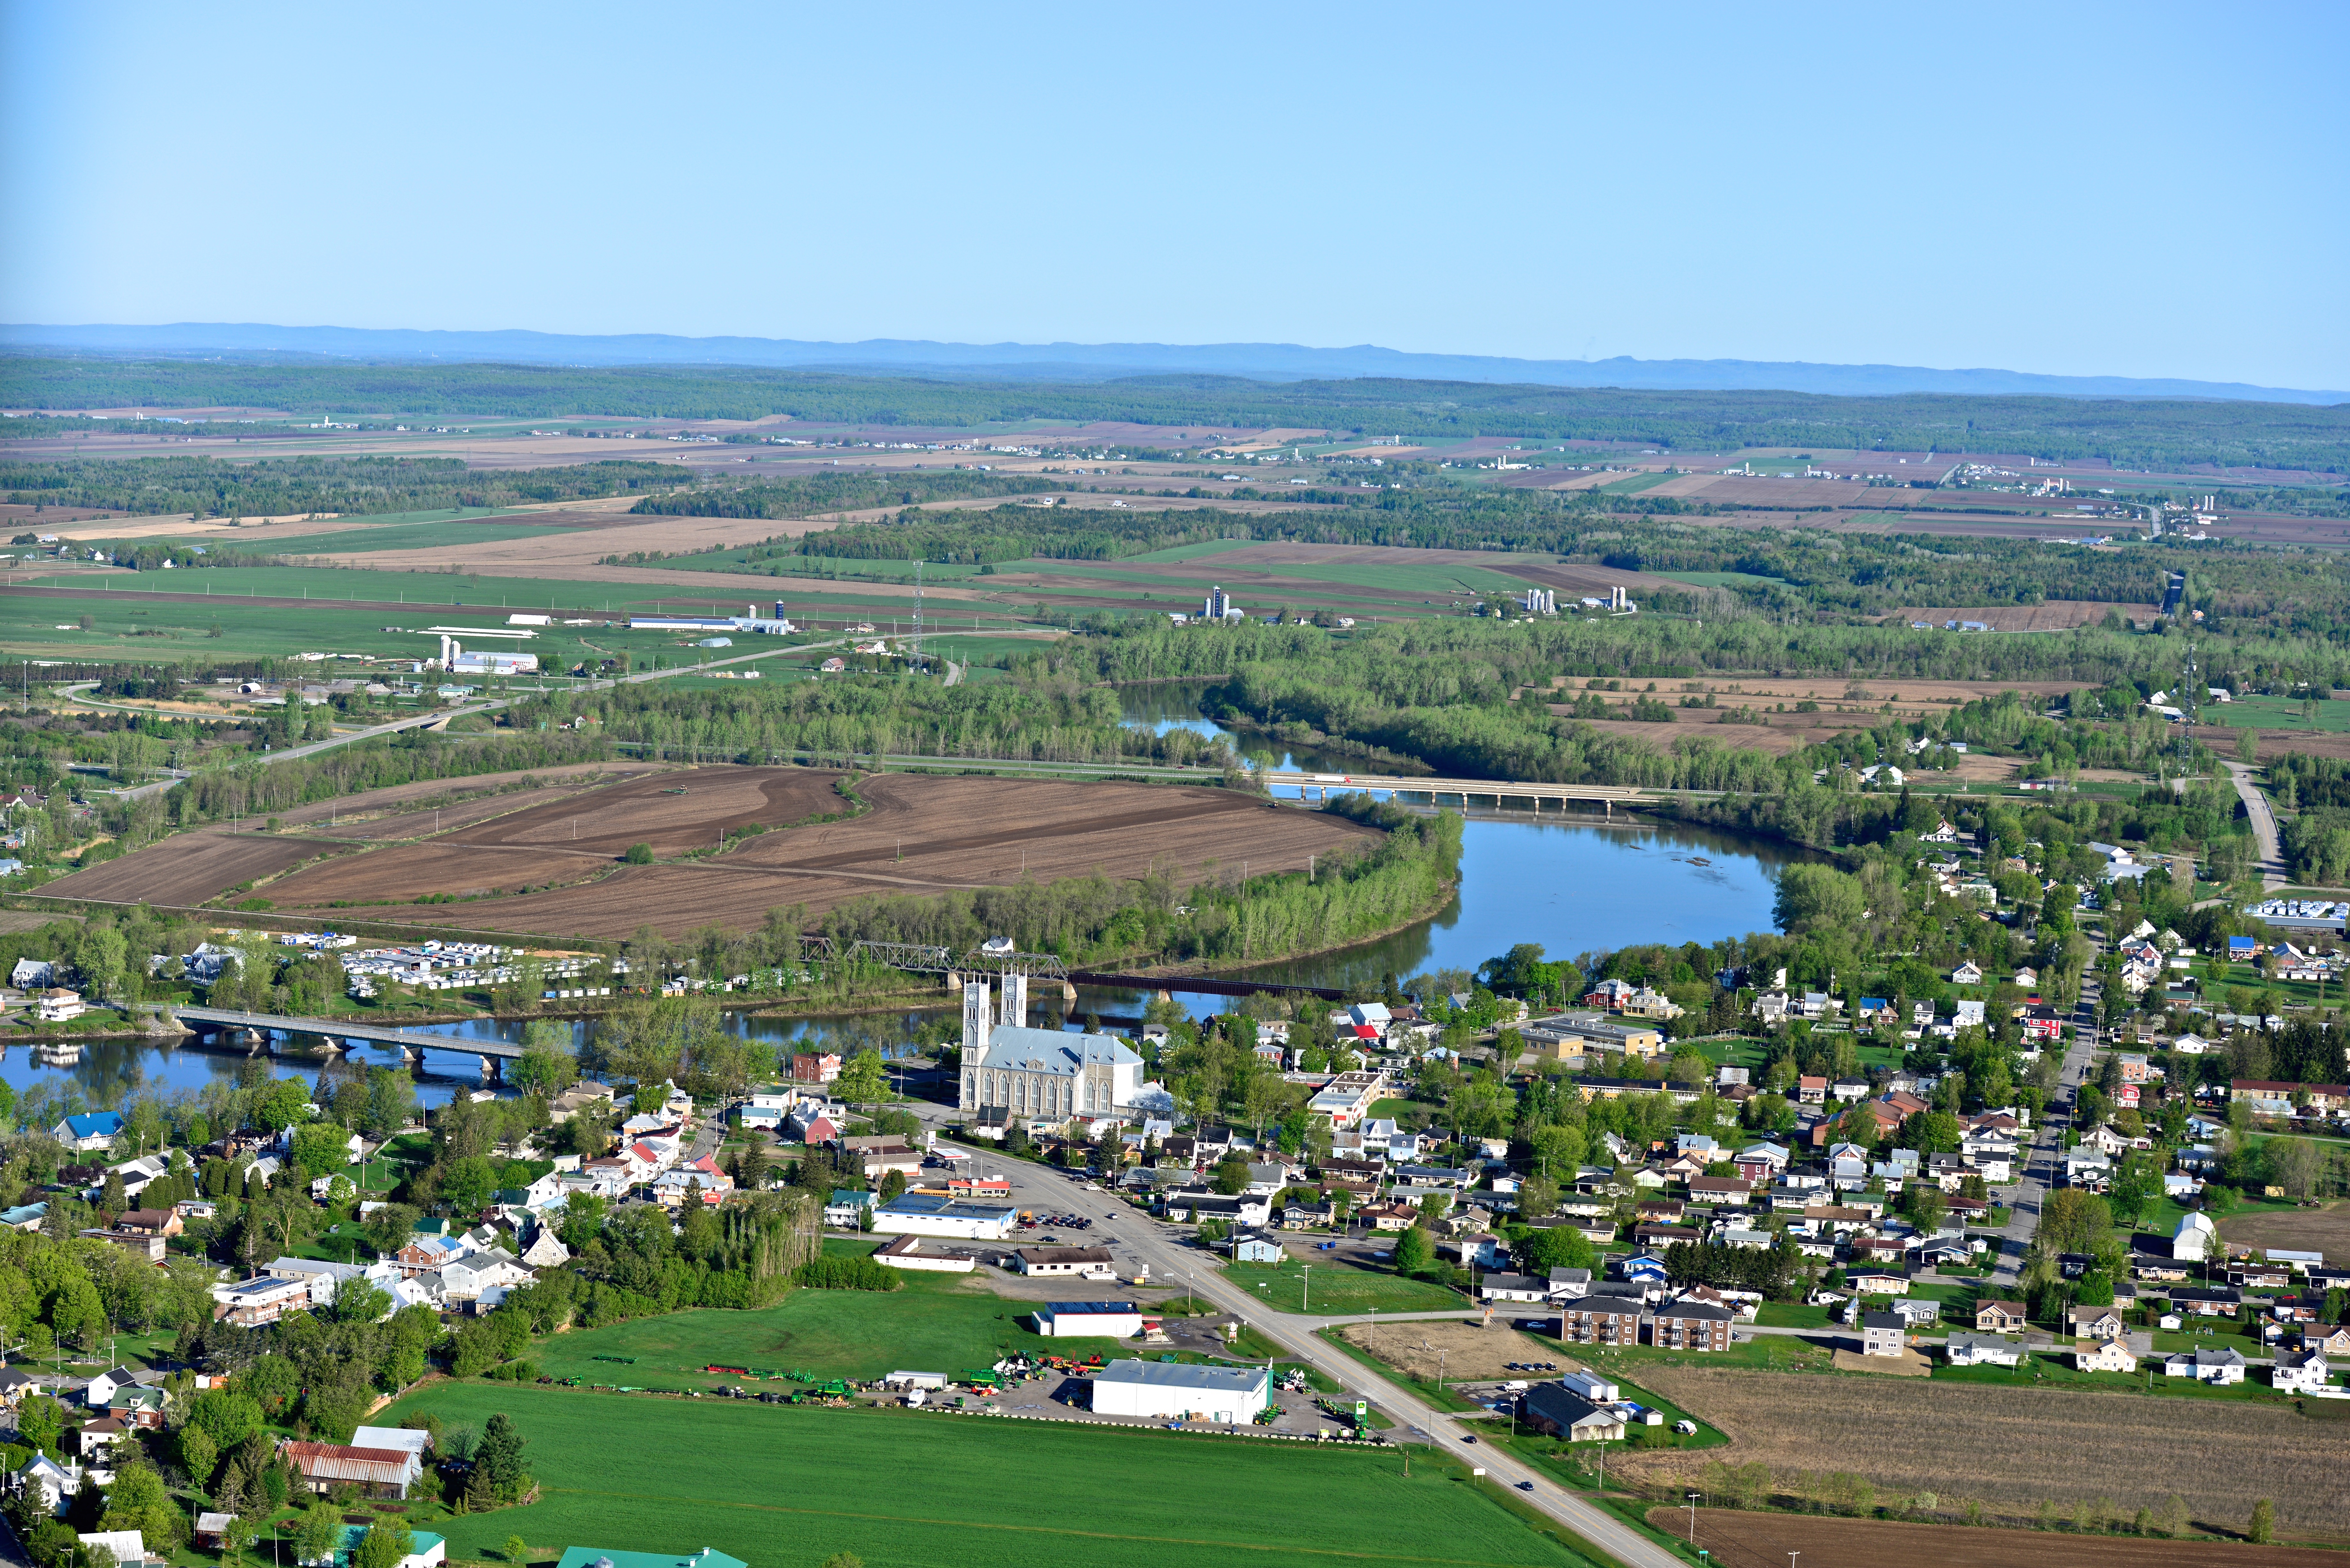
x=939, y=1322
x=790, y=1485
x=2277, y=713
x=1340, y=1288
x=1632, y=484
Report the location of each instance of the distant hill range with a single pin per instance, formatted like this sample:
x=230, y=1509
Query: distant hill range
x=1098, y=361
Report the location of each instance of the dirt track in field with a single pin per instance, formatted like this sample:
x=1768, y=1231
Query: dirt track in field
x=919, y=833
x=1739, y=1540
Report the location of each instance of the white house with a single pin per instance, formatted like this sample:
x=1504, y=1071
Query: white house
x=1983, y=1350
x=2196, y=1240
x=2297, y=1371
x=2222, y=1366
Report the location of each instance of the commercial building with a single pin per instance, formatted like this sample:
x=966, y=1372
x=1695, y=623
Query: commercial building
x=1091, y=1263
x=1167, y=1391
x=935, y=1214
x=1089, y=1319
x=1556, y=1411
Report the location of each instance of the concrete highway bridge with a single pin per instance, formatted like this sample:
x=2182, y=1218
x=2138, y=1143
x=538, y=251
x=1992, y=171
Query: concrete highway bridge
x=411, y=1043
x=1320, y=786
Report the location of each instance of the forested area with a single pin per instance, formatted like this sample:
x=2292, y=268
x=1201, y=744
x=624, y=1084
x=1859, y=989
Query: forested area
x=1154, y=918
x=2135, y=433
x=847, y=490
x=276, y=486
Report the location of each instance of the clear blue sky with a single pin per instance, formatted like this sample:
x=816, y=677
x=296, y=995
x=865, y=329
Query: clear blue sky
x=2145, y=190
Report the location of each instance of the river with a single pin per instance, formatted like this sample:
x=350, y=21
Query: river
x=1574, y=884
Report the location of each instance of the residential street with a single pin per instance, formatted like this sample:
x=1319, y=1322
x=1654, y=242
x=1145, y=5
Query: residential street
x=2045, y=1161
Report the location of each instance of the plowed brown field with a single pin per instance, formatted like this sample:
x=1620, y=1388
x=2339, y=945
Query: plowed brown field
x=918, y=833
x=1765, y=1540
x=2012, y=1447
x=188, y=867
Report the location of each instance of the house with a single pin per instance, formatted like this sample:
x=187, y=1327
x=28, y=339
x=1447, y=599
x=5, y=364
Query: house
x=845, y=1209
x=2207, y=1300
x=1513, y=1288
x=1883, y=1334
x=1255, y=1248
x=1879, y=1281
x=2103, y=1356
x=1969, y=973
x=1811, y=1090
x=375, y=1472
x=2094, y=1323
x=1555, y=1410
x=90, y=1131
x=2295, y=1371
x=52, y=1483
x=126, y=1547
x=1691, y=1326
x=58, y=1004
x=249, y=1304
x=1983, y=1350
x=2222, y=1366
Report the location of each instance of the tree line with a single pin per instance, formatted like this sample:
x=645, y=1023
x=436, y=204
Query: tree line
x=2131, y=432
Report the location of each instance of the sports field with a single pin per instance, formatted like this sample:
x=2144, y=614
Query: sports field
x=777, y=1486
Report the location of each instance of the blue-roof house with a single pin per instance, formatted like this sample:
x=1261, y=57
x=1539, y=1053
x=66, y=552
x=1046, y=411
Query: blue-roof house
x=90, y=1131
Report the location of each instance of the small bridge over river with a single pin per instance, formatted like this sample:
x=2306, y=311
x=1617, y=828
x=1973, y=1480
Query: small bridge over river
x=411, y=1043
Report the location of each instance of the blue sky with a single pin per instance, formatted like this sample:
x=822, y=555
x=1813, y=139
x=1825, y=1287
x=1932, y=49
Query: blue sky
x=2144, y=190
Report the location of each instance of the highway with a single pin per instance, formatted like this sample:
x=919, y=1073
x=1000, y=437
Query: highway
x=2265, y=827
x=1135, y=1237
x=343, y=1029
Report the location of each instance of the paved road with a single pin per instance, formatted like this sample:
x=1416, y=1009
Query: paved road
x=2045, y=1159
x=1142, y=1240
x=2265, y=827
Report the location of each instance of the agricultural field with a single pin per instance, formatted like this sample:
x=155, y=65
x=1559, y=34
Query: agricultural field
x=189, y=867
x=918, y=833
x=902, y=1489
x=1738, y=1540
x=2325, y=1229
x=2009, y=1446
x=2259, y=712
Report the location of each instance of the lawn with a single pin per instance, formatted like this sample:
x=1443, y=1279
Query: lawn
x=1340, y=1289
x=939, y=1322
x=773, y=1484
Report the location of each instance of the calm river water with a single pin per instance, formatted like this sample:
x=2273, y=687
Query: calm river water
x=1574, y=884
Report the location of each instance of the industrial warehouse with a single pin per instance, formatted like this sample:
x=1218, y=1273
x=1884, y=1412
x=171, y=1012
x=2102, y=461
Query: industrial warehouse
x=1172, y=1391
